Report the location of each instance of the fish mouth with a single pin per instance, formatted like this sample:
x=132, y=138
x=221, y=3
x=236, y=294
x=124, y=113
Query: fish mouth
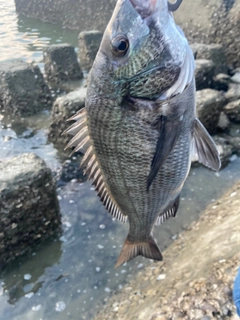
x=144, y=7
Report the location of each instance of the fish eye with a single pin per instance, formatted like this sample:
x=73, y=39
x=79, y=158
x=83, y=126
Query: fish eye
x=120, y=46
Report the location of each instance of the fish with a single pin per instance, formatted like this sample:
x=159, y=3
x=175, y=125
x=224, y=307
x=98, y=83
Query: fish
x=139, y=129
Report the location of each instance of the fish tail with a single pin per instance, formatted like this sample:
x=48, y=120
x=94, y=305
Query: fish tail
x=147, y=249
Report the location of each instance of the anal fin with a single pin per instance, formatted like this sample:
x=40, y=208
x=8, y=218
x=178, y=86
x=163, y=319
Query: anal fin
x=205, y=147
x=171, y=212
x=147, y=249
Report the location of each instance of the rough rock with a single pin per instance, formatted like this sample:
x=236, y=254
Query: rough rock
x=213, y=52
x=23, y=90
x=71, y=170
x=225, y=150
x=223, y=122
x=216, y=21
x=221, y=82
x=236, y=78
x=29, y=211
x=199, y=269
x=233, y=92
x=235, y=142
x=204, y=73
x=60, y=63
x=63, y=108
x=89, y=42
x=210, y=104
x=232, y=110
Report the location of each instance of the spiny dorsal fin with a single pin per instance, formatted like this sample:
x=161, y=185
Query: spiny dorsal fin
x=81, y=139
x=169, y=213
x=205, y=147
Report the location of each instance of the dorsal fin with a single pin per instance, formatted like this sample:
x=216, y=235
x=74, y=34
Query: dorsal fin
x=169, y=213
x=80, y=139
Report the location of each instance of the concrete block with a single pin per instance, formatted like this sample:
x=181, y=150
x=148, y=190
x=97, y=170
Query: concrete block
x=61, y=63
x=23, y=90
x=29, y=210
x=204, y=73
x=210, y=104
x=89, y=42
x=63, y=108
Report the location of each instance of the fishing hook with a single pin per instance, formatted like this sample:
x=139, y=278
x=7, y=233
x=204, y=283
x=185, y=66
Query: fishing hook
x=174, y=6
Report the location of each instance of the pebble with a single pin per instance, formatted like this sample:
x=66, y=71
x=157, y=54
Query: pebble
x=29, y=295
x=107, y=290
x=161, y=277
x=37, y=308
x=27, y=276
x=60, y=306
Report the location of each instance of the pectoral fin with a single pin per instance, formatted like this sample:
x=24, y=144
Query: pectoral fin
x=169, y=133
x=205, y=147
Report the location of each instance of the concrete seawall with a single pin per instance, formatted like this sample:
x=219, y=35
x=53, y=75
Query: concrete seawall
x=75, y=14
x=216, y=21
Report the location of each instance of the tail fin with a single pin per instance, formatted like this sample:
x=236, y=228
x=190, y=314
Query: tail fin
x=130, y=250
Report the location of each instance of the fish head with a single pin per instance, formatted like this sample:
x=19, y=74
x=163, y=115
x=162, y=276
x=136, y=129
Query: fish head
x=136, y=40
x=128, y=44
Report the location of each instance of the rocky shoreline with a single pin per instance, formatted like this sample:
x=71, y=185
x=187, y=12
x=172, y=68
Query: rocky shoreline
x=195, y=280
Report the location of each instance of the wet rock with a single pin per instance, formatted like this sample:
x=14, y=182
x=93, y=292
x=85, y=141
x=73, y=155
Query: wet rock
x=217, y=21
x=61, y=63
x=213, y=52
x=221, y=82
x=89, y=42
x=29, y=211
x=210, y=104
x=223, y=122
x=233, y=92
x=63, y=108
x=70, y=170
x=236, y=78
x=23, y=90
x=204, y=73
x=232, y=110
x=225, y=150
x=235, y=142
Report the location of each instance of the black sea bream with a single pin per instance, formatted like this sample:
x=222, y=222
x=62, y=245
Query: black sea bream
x=139, y=126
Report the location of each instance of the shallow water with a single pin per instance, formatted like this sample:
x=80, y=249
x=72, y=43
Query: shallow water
x=70, y=276
x=24, y=38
